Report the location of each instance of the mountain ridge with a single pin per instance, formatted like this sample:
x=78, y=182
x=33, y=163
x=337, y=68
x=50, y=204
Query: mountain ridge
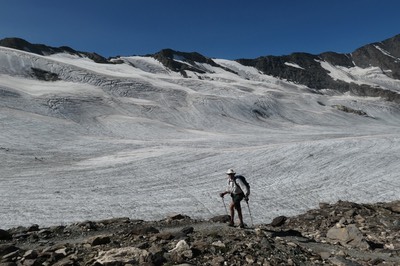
x=384, y=55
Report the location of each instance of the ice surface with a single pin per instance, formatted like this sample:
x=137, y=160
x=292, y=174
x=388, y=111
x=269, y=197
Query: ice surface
x=137, y=140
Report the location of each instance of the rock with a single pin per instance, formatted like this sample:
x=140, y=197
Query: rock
x=31, y=254
x=7, y=248
x=187, y=230
x=395, y=207
x=218, y=244
x=221, y=219
x=33, y=228
x=88, y=225
x=177, y=217
x=30, y=262
x=278, y=221
x=98, y=240
x=165, y=235
x=11, y=256
x=4, y=235
x=348, y=236
x=144, y=230
x=120, y=256
x=181, y=251
x=59, y=254
x=8, y=264
x=324, y=205
x=182, y=245
x=309, y=217
x=65, y=262
x=396, y=224
x=340, y=261
x=217, y=261
x=121, y=220
x=325, y=255
x=350, y=213
x=250, y=259
x=389, y=246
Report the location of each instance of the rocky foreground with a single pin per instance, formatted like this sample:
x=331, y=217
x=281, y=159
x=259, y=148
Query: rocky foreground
x=344, y=233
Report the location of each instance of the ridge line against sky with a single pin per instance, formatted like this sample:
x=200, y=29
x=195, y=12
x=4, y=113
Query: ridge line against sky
x=229, y=29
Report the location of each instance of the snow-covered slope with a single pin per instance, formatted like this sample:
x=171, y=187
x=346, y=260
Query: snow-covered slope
x=139, y=140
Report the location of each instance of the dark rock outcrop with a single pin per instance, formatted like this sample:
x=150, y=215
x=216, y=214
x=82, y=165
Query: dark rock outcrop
x=181, y=61
x=308, y=71
x=44, y=75
x=41, y=49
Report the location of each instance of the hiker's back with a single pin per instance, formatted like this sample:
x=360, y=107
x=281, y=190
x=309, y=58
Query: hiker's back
x=245, y=183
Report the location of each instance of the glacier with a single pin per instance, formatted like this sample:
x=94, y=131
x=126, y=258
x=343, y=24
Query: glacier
x=138, y=140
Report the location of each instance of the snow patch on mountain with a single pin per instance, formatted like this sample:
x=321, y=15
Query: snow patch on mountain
x=385, y=52
x=293, y=65
x=373, y=76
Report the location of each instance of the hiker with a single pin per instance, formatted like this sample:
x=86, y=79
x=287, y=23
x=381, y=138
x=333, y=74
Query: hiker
x=239, y=191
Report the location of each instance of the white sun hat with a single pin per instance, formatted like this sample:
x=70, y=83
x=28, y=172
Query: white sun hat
x=230, y=172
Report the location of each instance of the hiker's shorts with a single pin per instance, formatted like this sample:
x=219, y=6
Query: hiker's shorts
x=237, y=198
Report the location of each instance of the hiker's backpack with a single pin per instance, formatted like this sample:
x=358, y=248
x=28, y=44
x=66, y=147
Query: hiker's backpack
x=244, y=181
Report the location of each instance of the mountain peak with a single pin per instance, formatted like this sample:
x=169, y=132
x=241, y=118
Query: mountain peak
x=385, y=55
x=183, y=61
x=23, y=45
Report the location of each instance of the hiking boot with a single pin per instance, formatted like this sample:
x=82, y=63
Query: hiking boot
x=231, y=224
x=241, y=225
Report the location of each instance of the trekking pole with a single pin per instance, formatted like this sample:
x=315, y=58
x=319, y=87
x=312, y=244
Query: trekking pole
x=248, y=206
x=226, y=210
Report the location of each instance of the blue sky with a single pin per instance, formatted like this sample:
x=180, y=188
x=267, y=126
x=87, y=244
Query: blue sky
x=229, y=29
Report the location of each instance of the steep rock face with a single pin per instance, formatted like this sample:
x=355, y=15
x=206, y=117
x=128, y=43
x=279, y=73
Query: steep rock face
x=181, y=61
x=306, y=69
x=300, y=68
x=385, y=55
x=344, y=60
x=176, y=60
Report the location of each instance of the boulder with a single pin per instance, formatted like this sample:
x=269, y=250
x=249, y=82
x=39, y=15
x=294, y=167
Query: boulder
x=4, y=235
x=395, y=207
x=347, y=236
x=121, y=256
x=278, y=221
x=99, y=240
x=144, y=230
x=181, y=251
x=6, y=249
x=220, y=219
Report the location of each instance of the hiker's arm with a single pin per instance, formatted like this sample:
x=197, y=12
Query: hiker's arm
x=227, y=190
x=222, y=194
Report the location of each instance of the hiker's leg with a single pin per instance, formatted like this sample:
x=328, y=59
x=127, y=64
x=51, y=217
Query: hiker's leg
x=232, y=209
x=239, y=211
x=238, y=207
